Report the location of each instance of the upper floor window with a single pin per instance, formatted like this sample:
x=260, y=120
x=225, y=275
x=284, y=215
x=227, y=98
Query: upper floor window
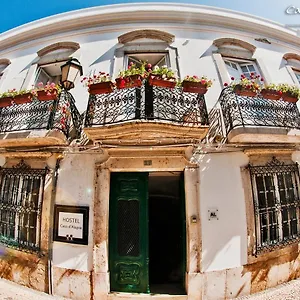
x=21, y=195
x=151, y=46
x=49, y=72
x=154, y=58
x=233, y=58
x=51, y=58
x=293, y=66
x=237, y=67
x=3, y=65
x=275, y=189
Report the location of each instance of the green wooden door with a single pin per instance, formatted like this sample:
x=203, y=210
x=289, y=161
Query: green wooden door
x=128, y=232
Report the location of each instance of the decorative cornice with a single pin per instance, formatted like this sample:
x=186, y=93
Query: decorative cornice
x=288, y=56
x=164, y=13
x=269, y=151
x=146, y=33
x=4, y=61
x=63, y=45
x=234, y=42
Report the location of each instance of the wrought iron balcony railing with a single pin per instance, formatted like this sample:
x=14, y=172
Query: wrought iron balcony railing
x=60, y=114
x=146, y=103
x=240, y=111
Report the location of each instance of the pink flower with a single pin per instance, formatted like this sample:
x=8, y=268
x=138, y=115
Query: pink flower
x=261, y=79
x=40, y=84
x=149, y=66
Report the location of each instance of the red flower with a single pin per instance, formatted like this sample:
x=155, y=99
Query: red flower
x=232, y=78
x=225, y=84
x=261, y=79
x=280, y=92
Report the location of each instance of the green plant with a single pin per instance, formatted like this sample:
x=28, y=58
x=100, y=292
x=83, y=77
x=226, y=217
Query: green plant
x=203, y=80
x=100, y=77
x=49, y=87
x=13, y=93
x=165, y=72
x=133, y=69
x=253, y=83
x=293, y=90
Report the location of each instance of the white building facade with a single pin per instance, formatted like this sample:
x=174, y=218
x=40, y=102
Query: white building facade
x=178, y=195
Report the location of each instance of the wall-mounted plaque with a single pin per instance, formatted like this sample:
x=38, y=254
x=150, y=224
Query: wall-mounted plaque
x=71, y=224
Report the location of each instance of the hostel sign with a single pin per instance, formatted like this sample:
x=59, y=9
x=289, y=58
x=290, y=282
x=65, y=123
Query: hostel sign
x=71, y=224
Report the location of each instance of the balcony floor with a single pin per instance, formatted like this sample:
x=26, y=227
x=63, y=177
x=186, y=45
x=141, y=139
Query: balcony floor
x=146, y=133
x=264, y=135
x=33, y=138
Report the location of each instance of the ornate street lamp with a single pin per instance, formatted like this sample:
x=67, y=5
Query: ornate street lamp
x=69, y=72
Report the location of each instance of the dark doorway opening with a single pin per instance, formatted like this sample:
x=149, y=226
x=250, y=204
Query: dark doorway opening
x=166, y=233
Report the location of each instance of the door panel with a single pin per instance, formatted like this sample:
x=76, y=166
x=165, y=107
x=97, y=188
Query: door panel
x=128, y=232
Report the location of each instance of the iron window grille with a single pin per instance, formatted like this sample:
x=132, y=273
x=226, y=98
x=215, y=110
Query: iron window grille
x=275, y=189
x=21, y=197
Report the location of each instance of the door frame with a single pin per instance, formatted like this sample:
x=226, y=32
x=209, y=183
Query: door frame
x=139, y=160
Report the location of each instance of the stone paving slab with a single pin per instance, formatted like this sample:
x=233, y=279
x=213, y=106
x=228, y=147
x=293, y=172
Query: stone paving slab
x=12, y=291
x=286, y=291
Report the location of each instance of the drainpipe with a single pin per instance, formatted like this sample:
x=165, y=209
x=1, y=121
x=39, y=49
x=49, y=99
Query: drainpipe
x=51, y=221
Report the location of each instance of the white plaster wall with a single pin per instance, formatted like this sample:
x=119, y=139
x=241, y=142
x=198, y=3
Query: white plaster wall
x=224, y=241
x=76, y=187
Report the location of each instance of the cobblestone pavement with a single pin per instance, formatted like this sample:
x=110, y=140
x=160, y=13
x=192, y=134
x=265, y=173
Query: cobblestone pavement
x=13, y=291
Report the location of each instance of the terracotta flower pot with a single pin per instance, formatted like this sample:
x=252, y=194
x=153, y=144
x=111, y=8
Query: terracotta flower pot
x=156, y=80
x=289, y=98
x=239, y=90
x=101, y=88
x=129, y=82
x=5, y=101
x=21, y=99
x=270, y=94
x=47, y=95
x=194, y=87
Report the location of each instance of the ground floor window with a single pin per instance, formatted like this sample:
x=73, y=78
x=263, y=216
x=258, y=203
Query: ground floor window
x=21, y=195
x=275, y=188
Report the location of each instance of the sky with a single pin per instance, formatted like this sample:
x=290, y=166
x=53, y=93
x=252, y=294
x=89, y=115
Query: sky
x=17, y=12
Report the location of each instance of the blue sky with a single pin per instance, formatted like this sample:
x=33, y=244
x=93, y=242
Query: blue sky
x=18, y=12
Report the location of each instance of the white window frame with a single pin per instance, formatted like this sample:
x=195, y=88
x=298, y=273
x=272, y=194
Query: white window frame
x=241, y=63
x=40, y=69
x=166, y=57
x=120, y=58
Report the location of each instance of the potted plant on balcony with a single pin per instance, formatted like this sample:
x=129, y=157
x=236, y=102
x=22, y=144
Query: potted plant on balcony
x=289, y=93
x=270, y=92
x=23, y=96
x=99, y=84
x=48, y=91
x=162, y=76
x=132, y=77
x=195, y=84
x=248, y=87
x=6, y=98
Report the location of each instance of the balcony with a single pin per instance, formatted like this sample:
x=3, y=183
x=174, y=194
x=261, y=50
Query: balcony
x=257, y=120
x=146, y=115
x=39, y=123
